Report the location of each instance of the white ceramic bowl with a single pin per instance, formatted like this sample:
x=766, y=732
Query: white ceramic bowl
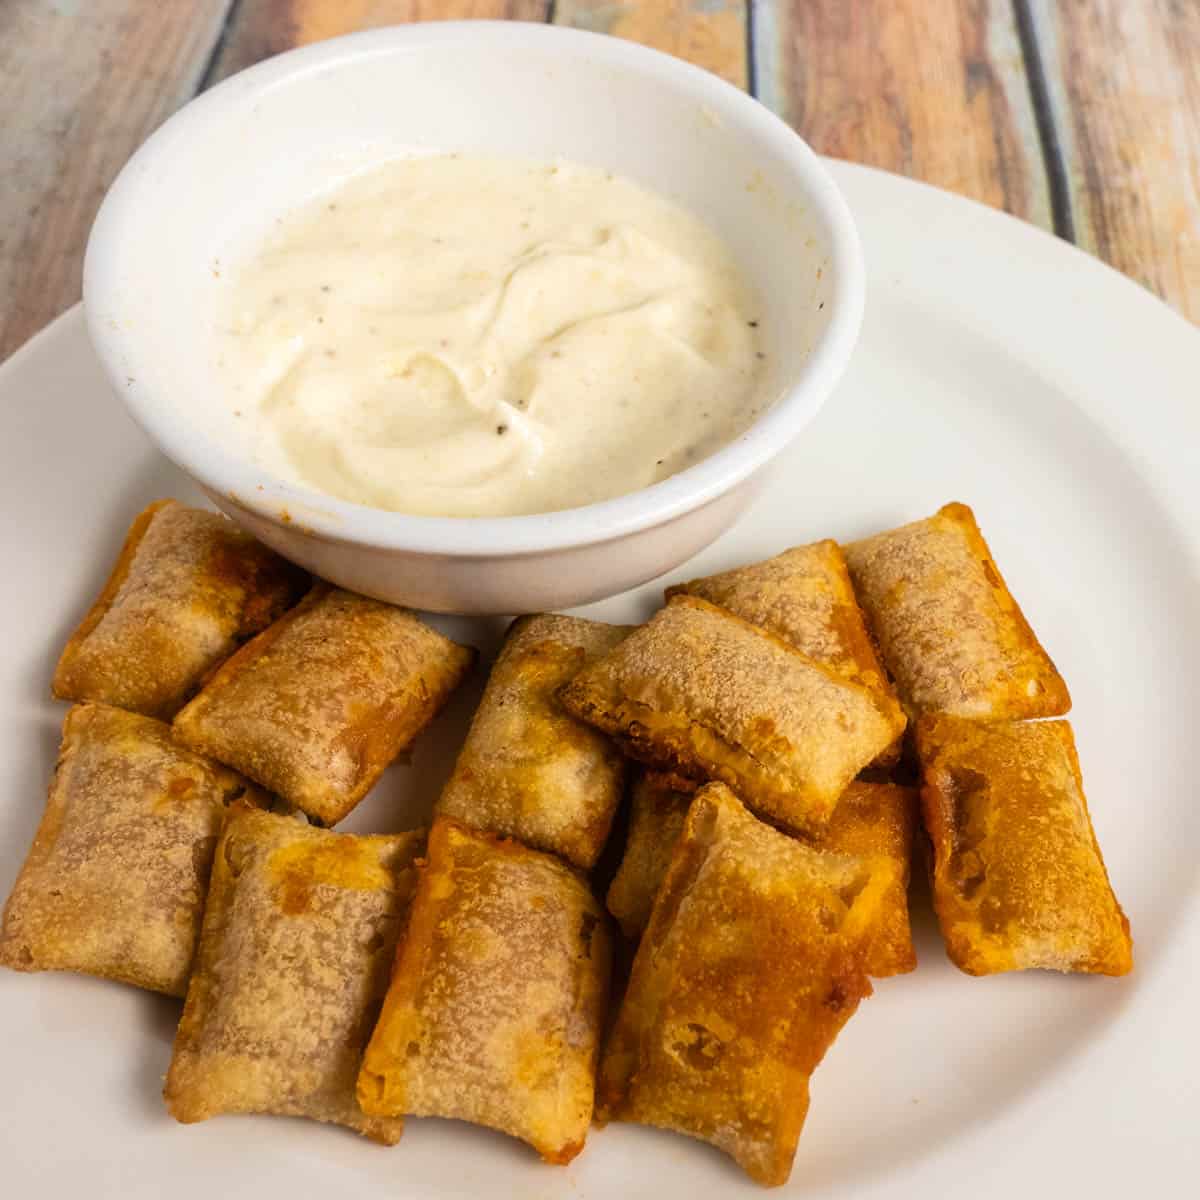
x=213, y=177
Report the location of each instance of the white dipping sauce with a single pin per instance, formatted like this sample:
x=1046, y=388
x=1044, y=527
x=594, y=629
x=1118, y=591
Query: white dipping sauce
x=464, y=336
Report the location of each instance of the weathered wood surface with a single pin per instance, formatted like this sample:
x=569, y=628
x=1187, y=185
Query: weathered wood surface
x=1080, y=114
x=709, y=33
x=81, y=86
x=934, y=89
x=1124, y=88
x=260, y=28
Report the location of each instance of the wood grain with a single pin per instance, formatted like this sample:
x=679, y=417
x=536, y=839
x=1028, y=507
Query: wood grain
x=81, y=86
x=261, y=28
x=1124, y=85
x=709, y=33
x=934, y=89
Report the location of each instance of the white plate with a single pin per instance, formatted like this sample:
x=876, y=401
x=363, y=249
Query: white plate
x=997, y=366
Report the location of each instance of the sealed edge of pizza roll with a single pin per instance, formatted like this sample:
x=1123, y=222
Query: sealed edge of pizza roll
x=1018, y=878
x=115, y=882
x=701, y=692
x=298, y=940
x=495, y=1008
x=528, y=769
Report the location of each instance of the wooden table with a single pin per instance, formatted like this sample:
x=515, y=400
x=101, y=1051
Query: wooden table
x=1082, y=116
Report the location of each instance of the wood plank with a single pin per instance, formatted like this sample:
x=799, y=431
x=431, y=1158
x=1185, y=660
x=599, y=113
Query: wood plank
x=709, y=33
x=933, y=89
x=1124, y=85
x=81, y=86
x=261, y=28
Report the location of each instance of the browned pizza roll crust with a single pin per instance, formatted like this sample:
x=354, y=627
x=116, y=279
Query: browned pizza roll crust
x=529, y=770
x=495, y=1007
x=657, y=810
x=1018, y=879
x=751, y=964
x=805, y=597
x=947, y=626
x=187, y=589
x=872, y=821
x=703, y=693
x=876, y=822
x=317, y=706
x=298, y=939
x=114, y=884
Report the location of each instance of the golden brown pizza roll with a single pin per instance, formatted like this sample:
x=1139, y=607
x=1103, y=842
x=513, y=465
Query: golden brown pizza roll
x=1018, y=879
x=948, y=628
x=872, y=820
x=805, y=597
x=529, y=770
x=315, y=707
x=114, y=884
x=876, y=821
x=298, y=940
x=187, y=589
x=657, y=809
x=751, y=964
x=495, y=1007
x=703, y=693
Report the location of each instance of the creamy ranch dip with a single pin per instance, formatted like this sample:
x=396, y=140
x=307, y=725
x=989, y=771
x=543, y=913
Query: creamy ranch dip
x=465, y=336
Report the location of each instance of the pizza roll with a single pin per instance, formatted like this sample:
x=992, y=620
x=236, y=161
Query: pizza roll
x=658, y=806
x=298, y=940
x=872, y=820
x=803, y=596
x=876, y=821
x=317, y=706
x=495, y=1007
x=114, y=884
x=1018, y=879
x=187, y=589
x=752, y=962
x=708, y=695
x=529, y=770
x=948, y=628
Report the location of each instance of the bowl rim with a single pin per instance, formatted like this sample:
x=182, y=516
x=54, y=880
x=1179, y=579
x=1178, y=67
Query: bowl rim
x=325, y=516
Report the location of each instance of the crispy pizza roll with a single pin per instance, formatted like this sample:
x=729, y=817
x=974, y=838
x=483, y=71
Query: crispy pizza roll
x=805, y=597
x=529, y=770
x=872, y=820
x=298, y=940
x=187, y=589
x=657, y=809
x=947, y=626
x=495, y=1007
x=315, y=707
x=1018, y=879
x=876, y=822
x=114, y=884
x=703, y=693
x=752, y=962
